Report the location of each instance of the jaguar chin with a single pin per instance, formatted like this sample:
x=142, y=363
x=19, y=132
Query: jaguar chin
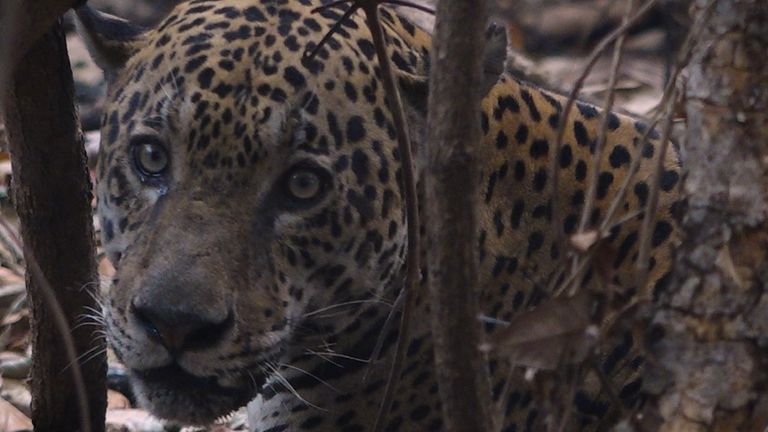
x=172, y=393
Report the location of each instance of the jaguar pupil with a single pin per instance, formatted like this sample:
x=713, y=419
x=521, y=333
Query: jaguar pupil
x=304, y=184
x=151, y=159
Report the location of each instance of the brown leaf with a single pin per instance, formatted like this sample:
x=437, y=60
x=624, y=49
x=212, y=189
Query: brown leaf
x=105, y=268
x=10, y=293
x=602, y=264
x=14, y=365
x=129, y=420
x=17, y=326
x=10, y=277
x=116, y=400
x=17, y=394
x=725, y=264
x=584, y=240
x=11, y=419
x=556, y=331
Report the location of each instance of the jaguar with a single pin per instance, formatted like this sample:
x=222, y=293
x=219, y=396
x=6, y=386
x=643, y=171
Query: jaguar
x=250, y=198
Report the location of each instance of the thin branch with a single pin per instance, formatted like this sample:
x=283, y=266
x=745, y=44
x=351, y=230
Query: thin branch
x=644, y=254
x=336, y=25
x=669, y=94
x=60, y=318
x=413, y=264
x=643, y=260
x=451, y=186
x=410, y=5
x=554, y=166
x=413, y=261
x=355, y=5
x=597, y=157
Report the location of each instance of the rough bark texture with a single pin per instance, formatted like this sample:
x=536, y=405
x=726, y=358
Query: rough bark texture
x=52, y=194
x=29, y=20
x=711, y=373
x=451, y=191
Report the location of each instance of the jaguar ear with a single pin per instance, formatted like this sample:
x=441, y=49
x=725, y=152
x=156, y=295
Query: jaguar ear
x=414, y=92
x=415, y=88
x=494, y=56
x=110, y=40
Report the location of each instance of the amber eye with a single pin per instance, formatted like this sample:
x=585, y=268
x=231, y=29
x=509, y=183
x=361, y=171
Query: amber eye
x=151, y=158
x=304, y=184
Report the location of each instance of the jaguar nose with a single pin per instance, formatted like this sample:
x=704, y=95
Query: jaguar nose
x=178, y=330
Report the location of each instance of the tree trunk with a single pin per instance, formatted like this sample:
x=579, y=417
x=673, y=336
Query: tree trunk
x=712, y=327
x=23, y=22
x=451, y=192
x=52, y=194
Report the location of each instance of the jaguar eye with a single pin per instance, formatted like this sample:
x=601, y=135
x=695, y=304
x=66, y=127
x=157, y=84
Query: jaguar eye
x=304, y=184
x=151, y=158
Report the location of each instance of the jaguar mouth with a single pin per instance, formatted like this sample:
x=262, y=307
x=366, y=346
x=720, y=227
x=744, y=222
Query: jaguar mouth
x=172, y=393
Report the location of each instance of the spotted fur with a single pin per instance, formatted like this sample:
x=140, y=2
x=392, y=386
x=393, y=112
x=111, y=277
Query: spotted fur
x=229, y=288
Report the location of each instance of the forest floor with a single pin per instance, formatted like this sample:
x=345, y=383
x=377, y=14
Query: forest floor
x=549, y=39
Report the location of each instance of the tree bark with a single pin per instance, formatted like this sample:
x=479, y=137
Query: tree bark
x=451, y=192
x=711, y=327
x=28, y=21
x=52, y=195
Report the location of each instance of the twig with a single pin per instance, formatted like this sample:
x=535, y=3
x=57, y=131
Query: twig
x=370, y=8
x=597, y=157
x=669, y=93
x=411, y=205
x=569, y=405
x=57, y=314
x=410, y=5
x=644, y=253
x=336, y=25
x=12, y=240
x=607, y=386
x=451, y=186
x=385, y=330
x=554, y=167
x=649, y=220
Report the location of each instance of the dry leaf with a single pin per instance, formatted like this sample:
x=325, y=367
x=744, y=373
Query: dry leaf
x=10, y=277
x=10, y=293
x=17, y=394
x=15, y=317
x=132, y=420
x=14, y=365
x=106, y=269
x=543, y=337
x=725, y=264
x=602, y=264
x=11, y=419
x=16, y=326
x=117, y=401
x=584, y=240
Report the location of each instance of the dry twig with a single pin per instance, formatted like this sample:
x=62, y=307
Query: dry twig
x=452, y=192
x=644, y=253
x=554, y=167
x=371, y=10
x=618, y=51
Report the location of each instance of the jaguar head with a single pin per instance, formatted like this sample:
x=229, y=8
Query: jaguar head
x=249, y=195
